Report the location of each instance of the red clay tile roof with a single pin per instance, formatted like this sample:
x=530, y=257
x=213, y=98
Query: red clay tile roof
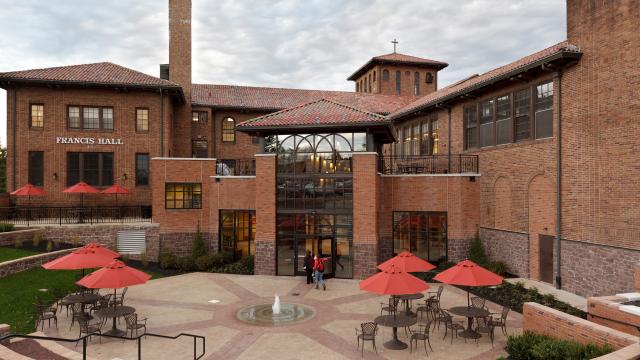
x=103, y=73
x=318, y=113
x=400, y=59
x=486, y=79
x=274, y=99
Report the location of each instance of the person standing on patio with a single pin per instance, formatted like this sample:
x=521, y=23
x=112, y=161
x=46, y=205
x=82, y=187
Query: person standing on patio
x=308, y=266
x=318, y=268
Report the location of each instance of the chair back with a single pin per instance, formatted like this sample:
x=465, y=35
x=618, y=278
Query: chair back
x=427, y=326
x=131, y=320
x=84, y=325
x=505, y=312
x=76, y=308
x=440, y=289
x=477, y=302
x=369, y=328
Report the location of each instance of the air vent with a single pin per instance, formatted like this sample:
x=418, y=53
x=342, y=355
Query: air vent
x=131, y=242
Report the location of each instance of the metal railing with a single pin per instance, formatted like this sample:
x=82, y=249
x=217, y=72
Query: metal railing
x=428, y=164
x=51, y=215
x=237, y=167
x=138, y=339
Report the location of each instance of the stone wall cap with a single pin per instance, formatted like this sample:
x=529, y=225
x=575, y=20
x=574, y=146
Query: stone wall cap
x=184, y=159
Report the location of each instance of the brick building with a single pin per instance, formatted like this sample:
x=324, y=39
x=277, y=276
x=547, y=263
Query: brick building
x=537, y=157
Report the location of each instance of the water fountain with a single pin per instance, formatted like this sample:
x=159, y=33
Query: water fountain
x=275, y=314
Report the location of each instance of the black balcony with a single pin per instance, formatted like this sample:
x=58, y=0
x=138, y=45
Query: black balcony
x=51, y=215
x=236, y=167
x=428, y=164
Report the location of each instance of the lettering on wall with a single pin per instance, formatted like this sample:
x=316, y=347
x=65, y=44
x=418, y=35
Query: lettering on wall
x=88, y=141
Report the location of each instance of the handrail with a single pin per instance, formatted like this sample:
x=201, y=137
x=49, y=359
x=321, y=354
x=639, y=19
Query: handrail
x=59, y=215
x=138, y=338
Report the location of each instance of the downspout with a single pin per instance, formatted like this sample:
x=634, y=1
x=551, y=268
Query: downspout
x=15, y=139
x=558, y=240
x=161, y=122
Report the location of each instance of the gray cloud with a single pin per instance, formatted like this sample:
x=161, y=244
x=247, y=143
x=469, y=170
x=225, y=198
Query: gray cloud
x=286, y=43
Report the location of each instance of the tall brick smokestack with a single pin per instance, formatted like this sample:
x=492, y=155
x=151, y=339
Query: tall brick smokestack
x=180, y=72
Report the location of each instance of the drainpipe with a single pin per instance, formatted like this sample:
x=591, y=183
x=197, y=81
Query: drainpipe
x=558, y=75
x=15, y=139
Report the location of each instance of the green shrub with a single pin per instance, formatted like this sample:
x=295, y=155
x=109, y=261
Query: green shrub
x=125, y=258
x=199, y=249
x=186, y=264
x=18, y=242
x=227, y=257
x=497, y=267
x=143, y=259
x=49, y=246
x=168, y=261
x=476, y=252
x=6, y=227
x=75, y=241
x=532, y=346
x=37, y=239
x=244, y=266
x=207, y=262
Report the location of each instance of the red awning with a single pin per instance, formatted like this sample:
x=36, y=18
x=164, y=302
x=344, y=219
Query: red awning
x=82, y=258
x=393, y=281
x=116, y=275
x=28, y=190
x=407, y=262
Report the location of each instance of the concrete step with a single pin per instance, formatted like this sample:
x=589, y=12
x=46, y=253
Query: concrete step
x=8, y=354
x=60, y=349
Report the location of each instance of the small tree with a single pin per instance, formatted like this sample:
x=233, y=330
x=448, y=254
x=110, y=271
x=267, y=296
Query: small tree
x=476, y=252
x=199, y=249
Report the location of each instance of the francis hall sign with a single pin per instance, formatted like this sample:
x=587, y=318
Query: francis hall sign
x=88, y=141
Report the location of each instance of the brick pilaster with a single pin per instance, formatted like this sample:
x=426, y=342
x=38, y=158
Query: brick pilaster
x=365, y=218
x=265, y=241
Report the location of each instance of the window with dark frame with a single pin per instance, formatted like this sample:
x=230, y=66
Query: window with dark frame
x=428, y=78
x=36, y=168
x=89, y=118
x=385, y=75
x=486, y=124
x=183, y=195
x=370, y=83
x=365, y=84
x=199, y=116
x=95, y=169
x=504, y=128
x=406, y=144
x=142, y=120
x=522, y=114
x=416, y=83
x=36, y=116
x=142, y=169
x=237, y=232
x=398, y=82
x=228, y=129
x=470, y=127
x=199, y=149
x=422, y=233
x=544, y=110
x=415, y=139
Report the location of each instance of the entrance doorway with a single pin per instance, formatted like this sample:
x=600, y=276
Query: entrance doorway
x=546, y=258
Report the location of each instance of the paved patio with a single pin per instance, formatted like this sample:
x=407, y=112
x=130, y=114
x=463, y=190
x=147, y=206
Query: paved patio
x=181, y=304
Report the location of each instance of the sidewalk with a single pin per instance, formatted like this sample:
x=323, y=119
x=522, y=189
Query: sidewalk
x=546, y=288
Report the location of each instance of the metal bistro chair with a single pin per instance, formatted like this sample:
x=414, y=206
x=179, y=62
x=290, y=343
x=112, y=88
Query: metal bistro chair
x=133, y=324
x=478, y=303
x=367, y=332
x=502, y=320
x=46, y=313
x=486, y=325
x=89, y=328
x=102, y=303
x=421, y=335
x=434, y=299
x=451, y=324
x=426, y=308
x=118, y=299
x=77, y=314
x=391, y=307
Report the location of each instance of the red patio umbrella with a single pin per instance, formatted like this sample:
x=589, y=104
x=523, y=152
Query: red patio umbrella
x=115, y=189
x=80, y=259
x=468, y=273
x=114, y=276
x=408, y=262
x=81, y=188
x=29, y=191
x=393, y=281
x=98, y=248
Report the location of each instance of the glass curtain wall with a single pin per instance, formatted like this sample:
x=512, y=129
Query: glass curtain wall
x=237, y=232
x=422, y=233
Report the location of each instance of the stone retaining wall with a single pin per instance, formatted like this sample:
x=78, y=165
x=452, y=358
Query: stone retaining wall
x=510, y=247
x=181, y=243
x=26, y=263
x=9, y=238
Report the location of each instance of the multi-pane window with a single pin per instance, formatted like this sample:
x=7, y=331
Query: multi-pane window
x=142, y=120
x=522, y=114
x=486, y=123
x=142, y=169
x=228, y=129
x=199, y=149
x=93, y=168
x=428, y=78
x=183, y=195
x=544, y=110
x=370, y=83
x=398, y=82
x=435, y=137
x=37, y=116
x=422, y=233
x=415, y=140
x=199, y=116
x=406, y=143
x=385, y=75
x=503, y=120
x=470, y=127
x=89, y=118
x=237, y=232
x=365, y=84
x=416, y=83
x=36, y=168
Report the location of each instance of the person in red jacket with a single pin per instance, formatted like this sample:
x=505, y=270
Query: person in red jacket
x=318, y=268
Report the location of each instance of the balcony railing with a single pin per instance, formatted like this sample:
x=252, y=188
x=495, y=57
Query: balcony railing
x=237, y=167
x=428, y=164
x=49, y=215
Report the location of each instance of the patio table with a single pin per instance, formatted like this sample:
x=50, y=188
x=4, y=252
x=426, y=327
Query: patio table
x=470, y=313
x=395, y=321
x=115, y=313
x=83, y=299
x=406, y=299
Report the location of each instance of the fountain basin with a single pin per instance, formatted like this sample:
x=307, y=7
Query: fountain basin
x=262, y=314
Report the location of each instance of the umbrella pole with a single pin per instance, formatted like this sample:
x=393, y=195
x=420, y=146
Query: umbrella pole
x=468, y=302
x=29, y=210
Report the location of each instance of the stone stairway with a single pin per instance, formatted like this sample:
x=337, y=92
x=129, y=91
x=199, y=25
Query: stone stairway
x=30, y=349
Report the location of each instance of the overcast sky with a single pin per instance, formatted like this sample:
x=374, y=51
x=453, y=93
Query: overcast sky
x=311, y=44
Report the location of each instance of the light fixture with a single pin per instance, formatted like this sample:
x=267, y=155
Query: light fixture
x=124, y=176
x=55, y=176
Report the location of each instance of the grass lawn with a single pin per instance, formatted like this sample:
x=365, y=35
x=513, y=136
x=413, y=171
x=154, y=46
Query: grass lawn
x=18, y=293
x=7, y=253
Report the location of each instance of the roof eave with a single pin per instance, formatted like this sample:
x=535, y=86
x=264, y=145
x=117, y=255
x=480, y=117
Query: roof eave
x=364, y=68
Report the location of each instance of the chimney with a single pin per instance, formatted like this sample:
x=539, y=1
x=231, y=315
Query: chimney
x=180, y=44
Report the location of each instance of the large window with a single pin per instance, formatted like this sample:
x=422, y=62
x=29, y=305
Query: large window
x=237, y=232
x=422, y=233
x=228, y=129
x=93, y=168
x=199, y=116
x=199, y=149
x=183, y=195
x=470, y=127
x=398, y=82
x=415, y=139
x=503, y=120
x=90, y=118
x=486, y=123
x=36, y=168
x=544, y=110
x=385, y=75
x=416, y=83
x=142, y=169
x=36, y=116
x=522, y=114
x=142, y=120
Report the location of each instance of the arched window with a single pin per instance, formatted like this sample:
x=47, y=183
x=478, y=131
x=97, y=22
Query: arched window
x=357, y=87
x=228, y=129
x=365, y=84
x=398, y=82
x=370, y=85
x=416, y=83
x=385, y=75
x=428, y=78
